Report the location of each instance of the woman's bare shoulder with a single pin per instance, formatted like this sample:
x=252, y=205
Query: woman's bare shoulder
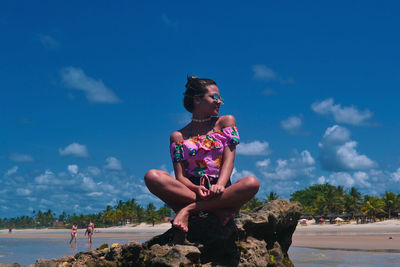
x=176, y=137
x=226, y=121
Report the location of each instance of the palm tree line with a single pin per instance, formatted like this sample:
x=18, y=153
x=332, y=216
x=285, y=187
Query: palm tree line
x=317, y=200
x=120, y=214
x=326, y=199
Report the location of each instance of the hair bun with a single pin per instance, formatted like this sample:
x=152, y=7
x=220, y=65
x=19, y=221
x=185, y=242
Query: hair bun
x=189, y=78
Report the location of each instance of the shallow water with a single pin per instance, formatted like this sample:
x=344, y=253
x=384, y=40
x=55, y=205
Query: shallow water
x=26, y=251
x=308, y=257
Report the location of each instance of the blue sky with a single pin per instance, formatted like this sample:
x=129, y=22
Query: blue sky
x=91, y=92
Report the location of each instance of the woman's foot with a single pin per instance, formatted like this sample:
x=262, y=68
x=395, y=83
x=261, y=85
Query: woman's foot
x=181, y=220
x=225, y=215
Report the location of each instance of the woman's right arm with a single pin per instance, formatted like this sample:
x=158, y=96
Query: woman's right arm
x=180, y=173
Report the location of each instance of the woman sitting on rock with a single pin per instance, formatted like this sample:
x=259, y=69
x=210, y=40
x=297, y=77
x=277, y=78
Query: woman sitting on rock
x=203, y=154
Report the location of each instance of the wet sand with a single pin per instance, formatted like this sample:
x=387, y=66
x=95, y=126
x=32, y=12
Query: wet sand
x=381, y=236
x=141, y=232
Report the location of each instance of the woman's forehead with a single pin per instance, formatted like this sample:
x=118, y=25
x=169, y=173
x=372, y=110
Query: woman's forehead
x=213, y=89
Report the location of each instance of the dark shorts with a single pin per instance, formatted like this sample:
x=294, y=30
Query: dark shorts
x=196, y=180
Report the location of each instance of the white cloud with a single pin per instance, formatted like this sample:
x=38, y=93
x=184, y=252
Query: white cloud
x=349, y=115
x=89, y=184
x=292, y=124
x=169, y=22
x=11, y=171
x=301, y=165
x=264, y=73
x=95, y=194
x=74, y=149
x=236, y=175
x=46, y=178
x=17, y=157
x=23, y=192
x=113, y=164
x=94, y=171
x=338, y=153
x=263, y=163
x=357, y=179
x=95, y=90
x=69, y=190
x=48, y=41
x=73, y=169
x=396, y=175
x=255, y=148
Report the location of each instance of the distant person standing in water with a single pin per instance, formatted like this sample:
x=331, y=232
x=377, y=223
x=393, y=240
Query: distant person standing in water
x=203, y=153
x=74, y=232
x=90, y=231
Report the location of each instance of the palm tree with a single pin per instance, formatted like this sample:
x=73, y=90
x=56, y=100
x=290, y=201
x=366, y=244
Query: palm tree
x=372, y=206
x=251, y=204
x=272, y=196
x=390, y=200
x=353, y=201
x=151, y=214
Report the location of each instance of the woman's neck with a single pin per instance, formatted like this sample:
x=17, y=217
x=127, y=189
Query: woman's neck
x=201, y=128
x=200, y=116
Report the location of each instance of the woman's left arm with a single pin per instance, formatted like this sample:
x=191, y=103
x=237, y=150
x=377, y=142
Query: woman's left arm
x=228, y=158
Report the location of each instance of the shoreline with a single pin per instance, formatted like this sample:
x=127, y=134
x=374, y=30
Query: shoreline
x=373, y=237
x=141, y=232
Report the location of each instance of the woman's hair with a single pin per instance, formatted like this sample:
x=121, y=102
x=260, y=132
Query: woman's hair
x=195, y=87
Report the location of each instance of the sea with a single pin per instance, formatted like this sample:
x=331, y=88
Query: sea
x=311, y=257
x=26, y=251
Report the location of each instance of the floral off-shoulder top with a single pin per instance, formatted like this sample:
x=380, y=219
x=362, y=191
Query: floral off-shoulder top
x=203, y=154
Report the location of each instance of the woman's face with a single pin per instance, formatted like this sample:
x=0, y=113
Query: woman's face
x=208, y=104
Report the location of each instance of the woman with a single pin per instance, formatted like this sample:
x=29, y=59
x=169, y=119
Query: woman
x=90, y=231
x=74, y=232
x=203, y=153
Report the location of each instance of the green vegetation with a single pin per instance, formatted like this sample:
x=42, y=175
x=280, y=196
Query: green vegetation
x=318, y=200
x=255, y=202
x=326, y=199
x=122, y=213
x=103, y=246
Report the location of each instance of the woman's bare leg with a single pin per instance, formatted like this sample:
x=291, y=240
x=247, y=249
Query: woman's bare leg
x=223, y=205
x=168, y=189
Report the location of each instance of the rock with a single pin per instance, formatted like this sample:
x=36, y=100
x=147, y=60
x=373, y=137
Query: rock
x=258, y=238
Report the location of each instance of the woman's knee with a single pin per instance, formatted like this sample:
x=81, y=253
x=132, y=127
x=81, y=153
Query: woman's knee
x=152, y=176
x=252, y=184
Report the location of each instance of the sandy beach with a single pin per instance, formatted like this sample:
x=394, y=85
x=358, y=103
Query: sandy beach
x=141, y=232
x=379, y=236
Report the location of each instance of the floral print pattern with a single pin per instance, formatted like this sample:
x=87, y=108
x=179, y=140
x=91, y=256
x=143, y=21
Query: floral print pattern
x=203, y=154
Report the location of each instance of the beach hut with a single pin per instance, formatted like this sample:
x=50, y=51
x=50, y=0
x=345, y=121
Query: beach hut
x=331, y=217
x=338, y=220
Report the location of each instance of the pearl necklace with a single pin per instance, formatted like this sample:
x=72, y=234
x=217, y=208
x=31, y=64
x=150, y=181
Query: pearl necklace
x=199, y=120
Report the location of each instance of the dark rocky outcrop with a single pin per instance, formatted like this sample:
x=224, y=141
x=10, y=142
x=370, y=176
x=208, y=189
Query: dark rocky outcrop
x=259, y=238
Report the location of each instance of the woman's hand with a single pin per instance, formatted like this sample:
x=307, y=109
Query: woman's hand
x=202, y=192
x=217, y=189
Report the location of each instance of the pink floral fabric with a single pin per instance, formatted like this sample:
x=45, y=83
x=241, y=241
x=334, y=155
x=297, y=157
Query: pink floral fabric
x=203, y=154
